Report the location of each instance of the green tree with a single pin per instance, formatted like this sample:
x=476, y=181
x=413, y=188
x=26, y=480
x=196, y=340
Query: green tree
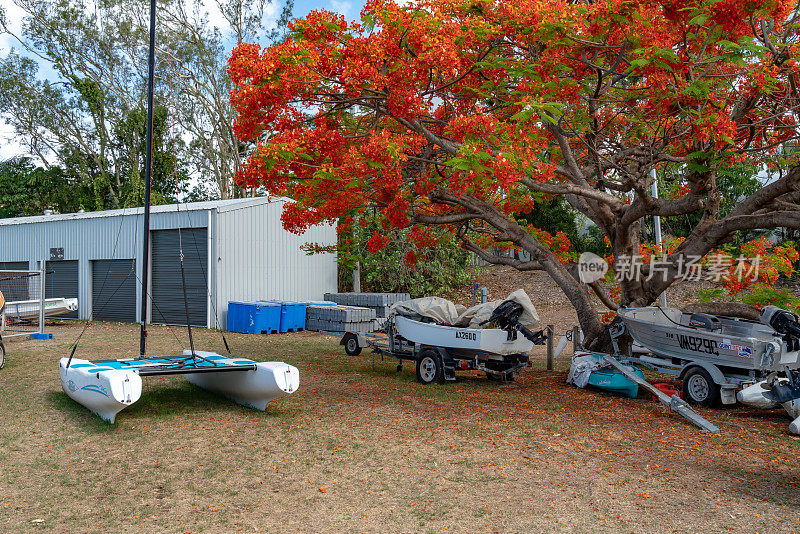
x=26, y=189
x=76, y=90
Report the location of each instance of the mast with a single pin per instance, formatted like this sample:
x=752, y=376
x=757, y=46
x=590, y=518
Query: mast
x=151, y=61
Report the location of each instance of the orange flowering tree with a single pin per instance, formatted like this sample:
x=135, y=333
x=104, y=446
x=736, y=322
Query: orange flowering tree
x=463, y=113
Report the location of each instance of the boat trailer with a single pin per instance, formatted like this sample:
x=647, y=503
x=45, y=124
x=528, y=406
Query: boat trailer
x=438, y=351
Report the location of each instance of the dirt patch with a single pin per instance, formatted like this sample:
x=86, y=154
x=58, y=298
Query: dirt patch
x=362, y=448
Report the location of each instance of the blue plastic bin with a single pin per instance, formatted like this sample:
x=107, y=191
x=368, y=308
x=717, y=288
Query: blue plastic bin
x=254, y=317
x=293, y=315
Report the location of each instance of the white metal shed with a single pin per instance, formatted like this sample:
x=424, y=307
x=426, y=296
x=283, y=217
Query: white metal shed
x=233, y=249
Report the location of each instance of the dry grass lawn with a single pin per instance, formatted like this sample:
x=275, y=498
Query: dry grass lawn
x=362, y=448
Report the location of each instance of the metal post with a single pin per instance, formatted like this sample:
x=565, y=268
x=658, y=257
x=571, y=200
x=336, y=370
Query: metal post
x=657, y=225
x=484, y=295
x=549, y=347
x=41, y=297
x=148, y=171
x=576, y=340
x=357, y=278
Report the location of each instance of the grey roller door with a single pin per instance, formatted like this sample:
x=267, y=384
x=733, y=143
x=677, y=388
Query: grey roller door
x=166, y=288
x=114, y=291
x=61, y=281
x=12, y=286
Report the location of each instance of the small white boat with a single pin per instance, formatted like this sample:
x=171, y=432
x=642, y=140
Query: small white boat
x=108, y=387
x=29, y=309
x=762, y=396
x=490, y=340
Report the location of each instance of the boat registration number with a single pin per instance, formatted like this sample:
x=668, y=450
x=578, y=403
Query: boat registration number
x=698, y=344
x=471, y=336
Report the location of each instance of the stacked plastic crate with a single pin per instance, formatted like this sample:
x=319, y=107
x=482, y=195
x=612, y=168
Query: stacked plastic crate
x=380, y=302
x=340, y=319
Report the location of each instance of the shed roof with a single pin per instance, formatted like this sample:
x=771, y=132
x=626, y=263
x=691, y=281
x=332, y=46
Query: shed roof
x=221, y=205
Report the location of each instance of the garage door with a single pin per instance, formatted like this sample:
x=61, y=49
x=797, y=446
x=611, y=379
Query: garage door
x=61, y=281
x=166, y=289
x=114, y=290
x=13, y=286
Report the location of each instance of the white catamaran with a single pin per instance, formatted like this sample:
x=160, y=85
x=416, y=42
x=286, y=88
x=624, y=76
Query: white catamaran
x=108, y=386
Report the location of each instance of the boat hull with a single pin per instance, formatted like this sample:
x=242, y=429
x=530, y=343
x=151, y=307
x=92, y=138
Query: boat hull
x=601, y=376
x=103, y=390
x=614, y=382
x=758, y=397
x=254, y=389
x=490, y=340
x=108, y=387
x=29, y=309
x=737, y=343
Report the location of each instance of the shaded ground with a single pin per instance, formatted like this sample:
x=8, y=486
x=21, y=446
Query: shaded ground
x=361, y=448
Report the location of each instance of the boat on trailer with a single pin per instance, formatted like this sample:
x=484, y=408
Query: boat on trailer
x=108, y=386
x=28, y=309
x=723, y=358
x=750, y=347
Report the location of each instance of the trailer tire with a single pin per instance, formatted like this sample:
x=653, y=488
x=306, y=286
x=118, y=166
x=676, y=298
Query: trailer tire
x=429, y=367
x=699, y=388
x=351, y=346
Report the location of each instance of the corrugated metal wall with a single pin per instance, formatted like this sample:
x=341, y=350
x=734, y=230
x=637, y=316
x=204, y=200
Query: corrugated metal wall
x=86, y=239
x=114, y=290
x=251, y=256
x=257, y=259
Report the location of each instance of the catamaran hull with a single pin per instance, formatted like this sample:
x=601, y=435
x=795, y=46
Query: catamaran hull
x=254, y=389
x=105, y=392
x=108, y=387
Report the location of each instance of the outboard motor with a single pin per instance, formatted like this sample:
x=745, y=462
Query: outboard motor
x=785, y=323
x=506, y=316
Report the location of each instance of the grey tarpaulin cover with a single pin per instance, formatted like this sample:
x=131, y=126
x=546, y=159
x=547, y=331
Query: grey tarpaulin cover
x=582, y=367
x=445, y=312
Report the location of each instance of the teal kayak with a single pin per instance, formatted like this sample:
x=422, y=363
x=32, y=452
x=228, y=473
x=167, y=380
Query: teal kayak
x=609, y=379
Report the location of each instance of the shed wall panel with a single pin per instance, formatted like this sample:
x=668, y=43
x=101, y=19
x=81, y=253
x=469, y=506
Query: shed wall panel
x=169, y=306
x=258, y=260
x=62, y=281
x=13, y=287
x=114, y=290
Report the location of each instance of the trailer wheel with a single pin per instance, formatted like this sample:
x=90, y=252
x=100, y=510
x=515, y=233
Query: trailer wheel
x=351, y=346
x=429, y=367
x=699, y=387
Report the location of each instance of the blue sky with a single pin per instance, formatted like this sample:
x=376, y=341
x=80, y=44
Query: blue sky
x=349, y=8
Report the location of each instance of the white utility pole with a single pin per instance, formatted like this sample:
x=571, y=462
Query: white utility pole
x=657, y=225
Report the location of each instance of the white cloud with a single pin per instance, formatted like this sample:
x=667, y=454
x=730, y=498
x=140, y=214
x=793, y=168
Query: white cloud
x=10, y=146
x=341, y=7
x=13, y=15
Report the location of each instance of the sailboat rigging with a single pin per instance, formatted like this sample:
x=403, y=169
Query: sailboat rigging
x=108, y=386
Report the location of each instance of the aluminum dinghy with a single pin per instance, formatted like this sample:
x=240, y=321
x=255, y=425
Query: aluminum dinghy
x=107, y=387
x=725, y=341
